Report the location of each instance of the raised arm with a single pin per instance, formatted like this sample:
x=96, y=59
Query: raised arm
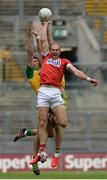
x=41, y=38
x=30, y=48
x=36, y=31
x=49, y=35
x=81, y=75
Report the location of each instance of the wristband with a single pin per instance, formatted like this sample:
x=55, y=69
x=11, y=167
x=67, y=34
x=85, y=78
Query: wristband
x=88, y=78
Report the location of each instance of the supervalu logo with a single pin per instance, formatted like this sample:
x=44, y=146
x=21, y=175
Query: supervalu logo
x=54, y=62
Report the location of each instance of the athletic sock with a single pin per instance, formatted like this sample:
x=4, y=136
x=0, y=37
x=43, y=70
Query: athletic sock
x=42, y=147
x=57, y=152
x=28, y=133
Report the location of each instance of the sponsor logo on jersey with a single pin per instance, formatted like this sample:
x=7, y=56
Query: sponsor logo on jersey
x=54, y=62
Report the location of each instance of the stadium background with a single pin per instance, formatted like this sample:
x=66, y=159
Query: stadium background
x=80, y=26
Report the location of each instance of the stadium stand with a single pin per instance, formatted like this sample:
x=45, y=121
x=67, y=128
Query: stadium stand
x=105, y=37
x=28, y=5
x=70, y=7
x=31, y=7
x=98, y=8
x=12, y=71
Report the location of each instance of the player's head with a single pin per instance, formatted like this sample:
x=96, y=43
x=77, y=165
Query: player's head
x=55, y=50
x=35, y=62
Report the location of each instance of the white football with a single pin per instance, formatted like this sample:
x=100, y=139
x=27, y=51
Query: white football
x=45, y=14
x=43, y=156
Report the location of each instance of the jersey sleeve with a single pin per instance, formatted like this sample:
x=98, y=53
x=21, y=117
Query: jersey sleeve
x=29, y=72
x=66, y=61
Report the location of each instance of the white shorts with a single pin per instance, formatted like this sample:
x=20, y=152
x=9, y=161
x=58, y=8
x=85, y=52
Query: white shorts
x=49, y=97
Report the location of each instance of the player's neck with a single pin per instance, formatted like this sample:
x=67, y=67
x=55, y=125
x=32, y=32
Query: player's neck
x=55, y=57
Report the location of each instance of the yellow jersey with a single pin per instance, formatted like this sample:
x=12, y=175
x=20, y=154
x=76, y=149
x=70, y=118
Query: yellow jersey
x=33, y=78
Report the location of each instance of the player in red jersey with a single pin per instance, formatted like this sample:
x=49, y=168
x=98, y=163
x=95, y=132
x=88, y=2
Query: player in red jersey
x=35, y=84
x=34, y=81
x=49, y=95
x=58, y=131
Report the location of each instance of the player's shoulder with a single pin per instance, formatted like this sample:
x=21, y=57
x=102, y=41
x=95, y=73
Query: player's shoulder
x=45, y=54
x=65, y=60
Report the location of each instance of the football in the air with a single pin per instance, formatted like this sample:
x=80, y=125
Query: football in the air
x=43, y=157
x=45, y=14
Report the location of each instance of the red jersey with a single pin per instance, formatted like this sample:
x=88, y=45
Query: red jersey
x=52, y=70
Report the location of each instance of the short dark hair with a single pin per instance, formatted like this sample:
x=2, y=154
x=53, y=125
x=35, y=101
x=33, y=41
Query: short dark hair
x=35, y=57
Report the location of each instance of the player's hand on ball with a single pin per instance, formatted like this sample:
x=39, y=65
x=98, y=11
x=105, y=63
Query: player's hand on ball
x=36, y=29
x=45, y=14
x=45, y=23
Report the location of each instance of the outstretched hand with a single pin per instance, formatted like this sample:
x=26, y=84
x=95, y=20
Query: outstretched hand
x=36, y=29
x=95, y=82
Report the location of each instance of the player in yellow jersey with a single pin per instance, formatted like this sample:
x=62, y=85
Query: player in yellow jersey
x=32, y=73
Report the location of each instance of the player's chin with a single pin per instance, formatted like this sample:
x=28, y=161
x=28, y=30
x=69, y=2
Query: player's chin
x=54, y=54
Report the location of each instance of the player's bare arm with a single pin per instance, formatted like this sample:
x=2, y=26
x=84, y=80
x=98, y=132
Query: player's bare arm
x=36, y=31
x=49, y=35
x=30, y=49
x=43, y=37
x=81, y=75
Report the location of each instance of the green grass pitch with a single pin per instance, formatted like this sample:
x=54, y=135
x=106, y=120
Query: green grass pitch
x=55, y=175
